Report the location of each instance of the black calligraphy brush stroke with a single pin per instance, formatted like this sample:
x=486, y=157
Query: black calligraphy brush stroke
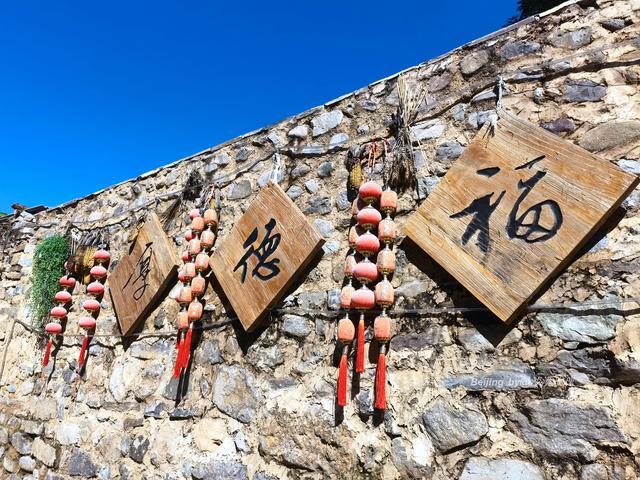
x=530, y=163
x=488, y=172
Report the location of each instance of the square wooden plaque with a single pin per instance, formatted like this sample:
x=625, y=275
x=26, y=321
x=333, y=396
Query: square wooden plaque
x=258, y=260
x=512, y=210
x=140, y=279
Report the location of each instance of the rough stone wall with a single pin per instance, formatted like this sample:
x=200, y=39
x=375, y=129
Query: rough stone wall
x=556, y=397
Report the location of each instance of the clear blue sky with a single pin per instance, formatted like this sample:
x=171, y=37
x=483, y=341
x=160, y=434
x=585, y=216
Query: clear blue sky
x=94, y=93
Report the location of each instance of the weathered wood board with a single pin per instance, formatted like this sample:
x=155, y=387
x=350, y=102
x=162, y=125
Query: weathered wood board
x=513, y=209
x=259, y=259
x=143, y=275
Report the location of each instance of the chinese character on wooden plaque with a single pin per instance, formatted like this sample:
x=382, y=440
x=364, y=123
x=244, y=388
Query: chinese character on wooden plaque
x=259, y=259
x=512, y=210
x=142, y=277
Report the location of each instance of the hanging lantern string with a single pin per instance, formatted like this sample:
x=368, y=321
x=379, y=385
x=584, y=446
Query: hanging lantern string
x=330, y=315
x=446, y=103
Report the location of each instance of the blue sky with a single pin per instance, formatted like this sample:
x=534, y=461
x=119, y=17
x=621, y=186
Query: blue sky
x=94, y=93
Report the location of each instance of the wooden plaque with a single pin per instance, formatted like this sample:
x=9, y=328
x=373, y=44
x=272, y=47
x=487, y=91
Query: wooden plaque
x=259, y=259
x=513, y=209
x=143, y=275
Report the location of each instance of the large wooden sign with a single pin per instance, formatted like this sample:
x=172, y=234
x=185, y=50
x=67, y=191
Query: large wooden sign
x=258, y=260
x=142, y=276
x=513, y=209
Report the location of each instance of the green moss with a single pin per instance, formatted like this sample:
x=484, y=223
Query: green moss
x=48, y=267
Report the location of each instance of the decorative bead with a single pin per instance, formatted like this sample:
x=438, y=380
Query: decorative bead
x=202, y=262
x=368, y=244
x=353, y=236
x=58, y=312
x=98, y=271
x=198, y=285
x=53, y=328
x=346, y=330
x=386, y=261
x=197, y=225
x=384, y=293
x=369, y=218
x=188, y=235
x=211, y=218
x=382, y=329
x=349, y=265
x=189, y=270
x=91, y=305
x=195, y=247
x=366, y=272
x=67, y=282
x=363, y=299
x=345, y=296
x=195, y=311
x=387, y=231
x=193, y=213
x=95, y=288
x=388, y=201
x=63, y=297
x=185, y=295
x=183, y=320
x=370, y=191
x=185, y=255
x=207, y=239
x=87, y=322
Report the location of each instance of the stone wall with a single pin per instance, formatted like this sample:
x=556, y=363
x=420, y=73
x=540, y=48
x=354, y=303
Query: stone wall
x=555, y=397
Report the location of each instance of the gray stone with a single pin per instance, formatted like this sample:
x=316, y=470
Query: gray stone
x=338, y=140
x=343, y=201
x=27, y=463
x=220, y=468
x=427, y=130
x=333, y=299
x=433, y=335
x=362, y=129
x=482, y=468
x=138, y=448
x=474, y=341
x=268, y=176
x=571, y=40
x=610, y=134
x=264, y=476
x=440, y=82
x=580, y=328
x=426, y=185
x=318, y=205
x=474, y=62
x=325, y=228
x=242, y=444
x=325, y=169
x=296, y=326
x=80, y=465
x=558, y=67
x=300, y=170
x=613, y=24
x=266, y=359
x=155, y=410
x=326, y=121
x=9, y=464
x=562, y=429
x=631, y=166
x=584, y=91
x=312, y=300
x=235, y=393
x=511, y=375
x=208, y=352
x=368, y=105
x=478, y=119
x=21, y=443
x=299, y=131
x=223, y=159
x=449, y=150
x=561, y=125
x=419, y=159
x=31, y=427
x=239, y=189
x=294, y=192
x=410, y=288
x=67, y=433
x=594, y=471
x=458, y=112
x=311, y=185
x=518, y=48
x=275, y=138
x=451, y=427
x=243, y=154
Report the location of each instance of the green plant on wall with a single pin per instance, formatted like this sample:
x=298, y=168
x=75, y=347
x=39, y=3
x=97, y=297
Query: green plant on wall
x=48, y=267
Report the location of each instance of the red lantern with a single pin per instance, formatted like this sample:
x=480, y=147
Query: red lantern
x=370, y=192
x=367, y=244
x=95, y=288
x=369, y=217
x=98, y=271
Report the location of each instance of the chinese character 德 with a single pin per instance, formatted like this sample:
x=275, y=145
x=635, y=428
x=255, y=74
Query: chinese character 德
x=265, y=268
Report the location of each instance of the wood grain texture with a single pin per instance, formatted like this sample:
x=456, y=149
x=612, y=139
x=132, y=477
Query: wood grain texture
x=299, y=242
x=501, y=262
x=141, y=278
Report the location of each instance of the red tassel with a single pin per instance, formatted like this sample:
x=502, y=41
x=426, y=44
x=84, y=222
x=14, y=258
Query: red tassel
x=381, y=383
x=360, y=346
x=47, y=352
x=342, y=380
x=83, y=349
x=178, y=366
x=186, y=349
